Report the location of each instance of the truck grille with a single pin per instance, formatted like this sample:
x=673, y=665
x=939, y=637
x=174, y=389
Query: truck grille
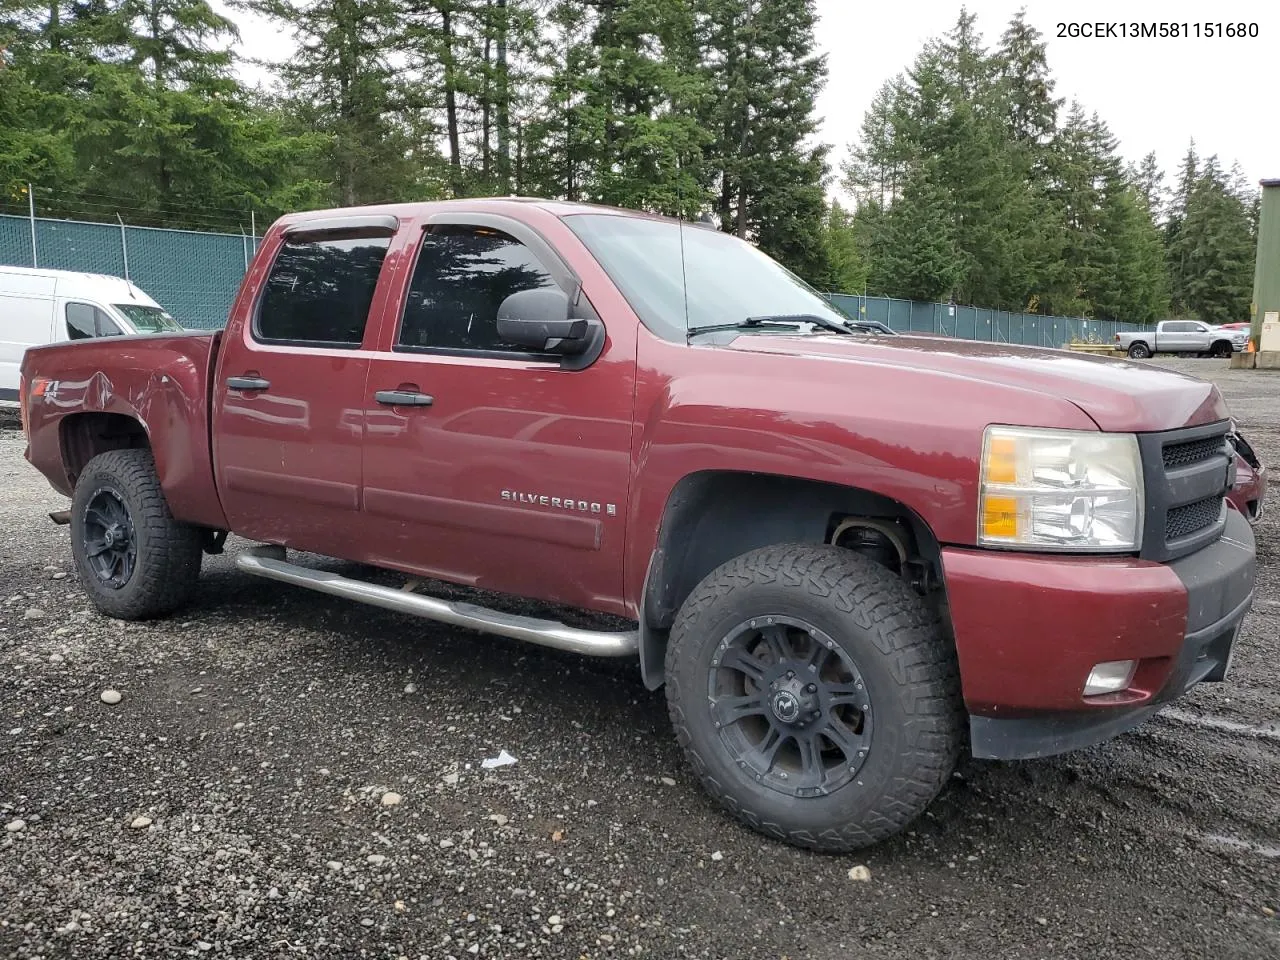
x=1193, y=451
x=1187, y=473
x=1187, y=519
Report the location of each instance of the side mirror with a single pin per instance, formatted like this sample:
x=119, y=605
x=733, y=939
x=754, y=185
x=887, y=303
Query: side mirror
x=542, y=319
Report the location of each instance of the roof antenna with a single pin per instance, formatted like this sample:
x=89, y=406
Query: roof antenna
x=684, y=279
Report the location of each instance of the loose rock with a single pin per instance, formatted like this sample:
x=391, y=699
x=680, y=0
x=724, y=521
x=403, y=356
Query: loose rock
x=111, y=697
x=390, y=799
x=33, y=613
x=859, y=873
x=140, y=823
x=14, y=826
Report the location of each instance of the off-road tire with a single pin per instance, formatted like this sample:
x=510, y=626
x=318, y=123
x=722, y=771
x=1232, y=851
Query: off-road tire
x=168, y=553
x=1221, y=350
x=898, y=645
x=1139, y=351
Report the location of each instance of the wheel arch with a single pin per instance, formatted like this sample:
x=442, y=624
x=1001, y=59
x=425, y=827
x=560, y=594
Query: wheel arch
x=83, y=436
x=712, y=516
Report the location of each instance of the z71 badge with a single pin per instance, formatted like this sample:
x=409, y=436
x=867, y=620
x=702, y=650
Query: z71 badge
x=560, y=503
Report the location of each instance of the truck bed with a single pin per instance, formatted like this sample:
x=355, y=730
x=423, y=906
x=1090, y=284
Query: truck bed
x=97, y=388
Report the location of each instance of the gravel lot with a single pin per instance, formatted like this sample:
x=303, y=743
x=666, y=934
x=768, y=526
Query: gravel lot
x=234, y=802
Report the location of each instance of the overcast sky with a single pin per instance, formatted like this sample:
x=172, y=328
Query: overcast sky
x=1154, y=93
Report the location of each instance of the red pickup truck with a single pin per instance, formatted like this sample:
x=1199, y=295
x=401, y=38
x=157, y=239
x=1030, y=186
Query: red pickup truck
x=848, y=555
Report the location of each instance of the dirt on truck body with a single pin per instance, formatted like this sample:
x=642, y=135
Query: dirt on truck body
x=846, y=556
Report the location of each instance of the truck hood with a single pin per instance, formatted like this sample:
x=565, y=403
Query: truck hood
x=1118, y=395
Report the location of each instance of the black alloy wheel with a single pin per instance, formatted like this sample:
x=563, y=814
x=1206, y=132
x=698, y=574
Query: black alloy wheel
x=790, y=706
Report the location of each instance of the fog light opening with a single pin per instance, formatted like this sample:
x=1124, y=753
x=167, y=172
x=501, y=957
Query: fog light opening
x=1110, y=677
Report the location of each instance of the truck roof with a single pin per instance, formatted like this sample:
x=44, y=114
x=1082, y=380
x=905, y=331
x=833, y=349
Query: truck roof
x=557, y=208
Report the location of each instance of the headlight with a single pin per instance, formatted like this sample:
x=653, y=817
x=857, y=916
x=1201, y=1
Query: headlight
x=1060, y=490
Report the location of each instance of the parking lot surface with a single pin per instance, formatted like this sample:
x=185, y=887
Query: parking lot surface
x=234, y=802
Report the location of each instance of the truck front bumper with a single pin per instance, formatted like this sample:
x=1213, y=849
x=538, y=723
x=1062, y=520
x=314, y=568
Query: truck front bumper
x=1030, y=628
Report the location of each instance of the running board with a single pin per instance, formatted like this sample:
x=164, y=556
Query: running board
x=268, y=561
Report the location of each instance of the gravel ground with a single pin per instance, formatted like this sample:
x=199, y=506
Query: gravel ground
x=235, y=801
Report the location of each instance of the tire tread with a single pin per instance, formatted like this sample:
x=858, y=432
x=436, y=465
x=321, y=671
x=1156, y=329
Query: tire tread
x=906, y=632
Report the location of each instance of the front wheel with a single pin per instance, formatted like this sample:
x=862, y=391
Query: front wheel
x=1139, y=351
x=133, y=558
x=814, y=695
x=1221, y=350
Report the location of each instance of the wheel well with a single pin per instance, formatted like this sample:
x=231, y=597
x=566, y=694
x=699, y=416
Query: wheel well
x=714, y=516
x=1221, y=343
x=85, y=435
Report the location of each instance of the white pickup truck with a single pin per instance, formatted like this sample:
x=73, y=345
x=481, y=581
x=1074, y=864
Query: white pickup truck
x=1182, y=336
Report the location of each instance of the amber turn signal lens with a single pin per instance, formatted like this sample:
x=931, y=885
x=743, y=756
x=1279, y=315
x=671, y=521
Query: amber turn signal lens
x=1002, y=460
x=999, y=517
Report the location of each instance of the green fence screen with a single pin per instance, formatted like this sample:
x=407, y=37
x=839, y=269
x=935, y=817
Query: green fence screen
x=195, y=276
x=977, y=323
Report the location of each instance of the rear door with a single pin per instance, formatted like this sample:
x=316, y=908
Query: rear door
x=1179, y=335
x=287, y=425
x=513, y=474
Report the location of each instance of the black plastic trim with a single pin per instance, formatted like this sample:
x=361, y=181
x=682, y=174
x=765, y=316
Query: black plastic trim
x=368, y=225
x=1164, y=489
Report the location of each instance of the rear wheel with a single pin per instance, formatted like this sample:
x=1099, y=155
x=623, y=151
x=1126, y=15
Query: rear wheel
x=1139, y=350
x=815, y=696
x=133, y=558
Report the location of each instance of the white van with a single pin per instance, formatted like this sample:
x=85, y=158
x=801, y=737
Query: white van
x=45, y=306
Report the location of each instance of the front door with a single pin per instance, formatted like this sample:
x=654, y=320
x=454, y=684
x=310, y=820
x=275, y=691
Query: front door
x=507, y=472
x=287, y=419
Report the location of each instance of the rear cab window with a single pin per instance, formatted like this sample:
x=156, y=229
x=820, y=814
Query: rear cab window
x=319, y=291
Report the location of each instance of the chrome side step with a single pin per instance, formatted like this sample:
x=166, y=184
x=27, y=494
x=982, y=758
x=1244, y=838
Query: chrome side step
x=268, y=561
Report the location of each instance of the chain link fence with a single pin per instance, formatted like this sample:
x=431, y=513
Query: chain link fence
x=194, y=275
x=978, y=323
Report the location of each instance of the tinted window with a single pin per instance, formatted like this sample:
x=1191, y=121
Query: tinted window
x=80, y=323
x=462, y=276
x=85, y=322
x=319, y=291
x=1182, y=326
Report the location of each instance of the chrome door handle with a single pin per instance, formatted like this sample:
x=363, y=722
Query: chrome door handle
x=403, y=398
x=248, y=383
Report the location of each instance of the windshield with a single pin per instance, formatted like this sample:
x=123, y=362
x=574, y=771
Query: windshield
x=148, y=319
x=728, y=279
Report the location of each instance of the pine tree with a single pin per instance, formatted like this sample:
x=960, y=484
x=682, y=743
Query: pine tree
x=341, y=84
x=1148, y=178
x=877, y=163
x=1214, y=249
x=844, y=252
x=920, y=257
x=764, y=164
